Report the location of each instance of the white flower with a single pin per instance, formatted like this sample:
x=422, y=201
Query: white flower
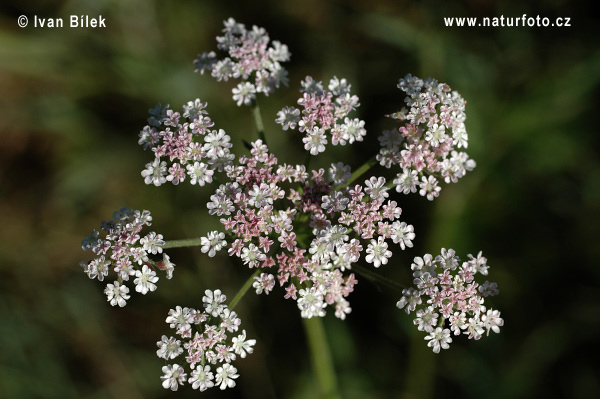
x=376, y=189
x=242, y=346
x=98, y=267
x=436, y=134
x=448, y=259
x=145, y=280
x=474, y=328
x=220, y=205
x=260, y=196
x=264, y=283
x=429, y=187
x=339, y=173
x=288, y=118
x=311, y=303
x=213, y=302
x=201, y=378
x=180, y=318
x=319, y=249
x=244, y=93
x=406, y=182
x=354, y=130
x=212, y=243
x=492, y=320
x=426, y=319
x=309, y=85
x=335, y=202
x=479, y=263
x=174, y=376
x=252, y=256
x=403, y=234
x=230, y=320
x=339, y=87
x=424, y=265
x=199, y=173
x=439, y=338
x=215, y=141
x=194, y=109
x=124, y=268
x=153, y=243
x=315, y=141
x=226, y=375
x=458, y=322
x=168, y=348
x=149, y=137
x=377, y=252
x=410, y=299
x=223, y=69
x=117, y=294
x=155, y=172
x=334, y=236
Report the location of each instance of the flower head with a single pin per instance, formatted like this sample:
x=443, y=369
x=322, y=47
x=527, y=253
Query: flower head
x=210, y=350
x=450, y=296
x=128, y=253
x=427, y=144
x=251, y=56
x=324, y=114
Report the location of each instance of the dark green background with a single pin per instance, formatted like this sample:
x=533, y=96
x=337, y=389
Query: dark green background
x=73, y=100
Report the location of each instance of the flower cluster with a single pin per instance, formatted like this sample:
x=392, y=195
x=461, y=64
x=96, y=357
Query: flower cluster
x=426, y=147
x=447, y=299
x=335, y=223
x=252, y=57
x=324, y=111
x=208, y=343
x=123, y=249
x=185, y=139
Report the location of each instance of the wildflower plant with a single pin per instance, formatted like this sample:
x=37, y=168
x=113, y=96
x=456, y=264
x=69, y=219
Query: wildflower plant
x=306, y=233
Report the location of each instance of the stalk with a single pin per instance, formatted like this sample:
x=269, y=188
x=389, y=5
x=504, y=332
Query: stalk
x=240, y=294
x=321, y=358
x=360, y=171
x=190, y=242
x=258, y=122
x=376, y=277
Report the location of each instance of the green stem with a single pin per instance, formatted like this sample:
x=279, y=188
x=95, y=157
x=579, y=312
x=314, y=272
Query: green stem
x=321, y=358
x=258, y=122
x=371, y=275
x=190, y=242
x=360, y=171
x=240, y=294
x=307, y=159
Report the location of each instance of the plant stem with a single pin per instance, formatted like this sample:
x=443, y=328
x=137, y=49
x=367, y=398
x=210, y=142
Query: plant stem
x=321, y=358
x=190, y=242
x=307, y=159
x=360, y=171
x=371, y=275
x=258, y=122
x=244, y=289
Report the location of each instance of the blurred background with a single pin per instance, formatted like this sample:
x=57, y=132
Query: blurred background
x=73, y=101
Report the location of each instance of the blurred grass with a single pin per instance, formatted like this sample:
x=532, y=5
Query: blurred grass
x=73, y=101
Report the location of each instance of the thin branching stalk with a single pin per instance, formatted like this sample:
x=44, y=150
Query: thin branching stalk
x=360, y=171
x=190, y=242
x=321, y=358
x=376, y=277
x=240, y=294
x=258, y=122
